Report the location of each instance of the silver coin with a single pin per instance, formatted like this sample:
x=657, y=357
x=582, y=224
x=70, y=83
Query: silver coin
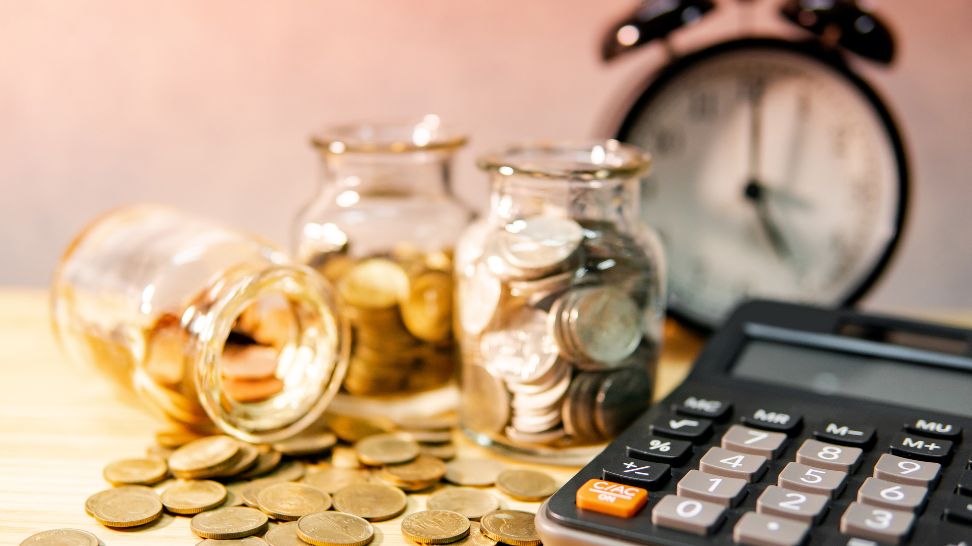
x=542, y=438
x=479, y=298
x=536, y=290
x=549, y=398
x=544, y=382
x=538, y=244
x=605, y=325
x=621, y=397
x=523, y=350
x=486, y=403
x=578, y=409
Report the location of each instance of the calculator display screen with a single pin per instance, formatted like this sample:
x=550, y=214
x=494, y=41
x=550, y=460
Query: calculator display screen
x=856, y=376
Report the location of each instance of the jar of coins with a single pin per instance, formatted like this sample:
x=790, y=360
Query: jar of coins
x=561, y=298
x=382, y=229
x=209, y=325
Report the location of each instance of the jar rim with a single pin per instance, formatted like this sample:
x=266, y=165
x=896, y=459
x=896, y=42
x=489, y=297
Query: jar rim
x=572, y=160
x=425, y=134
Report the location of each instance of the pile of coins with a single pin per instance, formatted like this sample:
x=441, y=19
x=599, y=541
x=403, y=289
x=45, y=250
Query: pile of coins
x=557, y=331
x=400, y=310
x=323, y=487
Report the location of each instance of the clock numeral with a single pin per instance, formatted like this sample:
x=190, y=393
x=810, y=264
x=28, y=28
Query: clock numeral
x=702, y=106
x=649, y=187
x=668, y=141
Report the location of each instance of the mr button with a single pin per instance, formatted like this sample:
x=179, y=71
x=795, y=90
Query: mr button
x=776, y=421
x=613, y=499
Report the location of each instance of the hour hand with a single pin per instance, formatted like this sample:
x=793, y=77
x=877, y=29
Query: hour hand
x=756, y=194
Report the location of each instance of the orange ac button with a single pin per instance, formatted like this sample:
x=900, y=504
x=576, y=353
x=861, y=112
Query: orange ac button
x=614, y=499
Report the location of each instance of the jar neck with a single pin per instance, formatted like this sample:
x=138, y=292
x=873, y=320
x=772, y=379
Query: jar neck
x=311, y=358
x=615, y=200
x=354, y=175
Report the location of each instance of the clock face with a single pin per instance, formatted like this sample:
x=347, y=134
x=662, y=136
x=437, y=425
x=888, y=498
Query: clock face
x=775, y=175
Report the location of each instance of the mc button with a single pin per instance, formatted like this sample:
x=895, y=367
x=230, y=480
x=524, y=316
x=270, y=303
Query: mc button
x=776, y=421
x=923, y=449
x=704, y=407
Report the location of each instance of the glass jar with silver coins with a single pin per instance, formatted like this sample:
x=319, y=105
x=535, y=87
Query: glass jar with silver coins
x=382, y=229
x=560, y=301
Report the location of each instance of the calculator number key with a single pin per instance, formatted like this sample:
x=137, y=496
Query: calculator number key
x=881, y=524
x=750, y=440
x=821, y=455
x=763, y=530
x=923, y=449
x=878, y=492
x=800, y=477
x=732, y=464
x=900, y=470
x=712, y=488
x=805, y=507
x=689, y=515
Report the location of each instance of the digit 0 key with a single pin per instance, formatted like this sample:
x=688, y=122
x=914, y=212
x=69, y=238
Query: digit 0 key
x=613, y=499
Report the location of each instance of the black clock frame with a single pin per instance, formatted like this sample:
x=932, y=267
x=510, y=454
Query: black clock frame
x=829, y=58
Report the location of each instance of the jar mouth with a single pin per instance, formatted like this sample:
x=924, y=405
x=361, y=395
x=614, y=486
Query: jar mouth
x=310, y=364
x=584, y=160
x=425, y=134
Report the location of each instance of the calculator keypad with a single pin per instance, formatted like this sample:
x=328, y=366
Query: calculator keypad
x=775, y=420
x=690, y=515
x=818, y=481
x=821, y=455
x=733, y=464
x=881, y=524
x=750, y=440
x=710, y=487
x=764, y=530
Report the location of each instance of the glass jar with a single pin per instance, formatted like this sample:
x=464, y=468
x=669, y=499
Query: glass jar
x=382, y=228
x=561, y=298
x=207, y=324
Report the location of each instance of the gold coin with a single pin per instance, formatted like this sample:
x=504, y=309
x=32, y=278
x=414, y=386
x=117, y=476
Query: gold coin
x=234, y=493
x=248, y=541
x=430, y=436
x=332, y=479
x=193, y=496
x=513, y=527
x=333, y=529
x=252, y=390
x=432, y=423
x=476, y=537
x=204, y=456
x=374, y=502
x=382, y=449
x=227, y=523
x=472, y=503
x=435, y=527
x=305, y=444
x=125, y=506
x=176, y=437
x=289, y=471
x=62, y=537
x=250, y=493
x=375, y=283
x=288, y=501
x=146, y=471
x=267, y=460
x=247, y=458
x=526, y=485
x=352, y=429
x=445, y=452
x=283, y=534
x=427, y=308
x=475, y=472
x=416, y=475
x=345, y=457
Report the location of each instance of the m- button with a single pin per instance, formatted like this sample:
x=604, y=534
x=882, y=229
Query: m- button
x=776, y=421
x=846, y=434
x=921, y=448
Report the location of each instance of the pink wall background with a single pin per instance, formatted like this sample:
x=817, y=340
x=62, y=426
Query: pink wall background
x=208, y=106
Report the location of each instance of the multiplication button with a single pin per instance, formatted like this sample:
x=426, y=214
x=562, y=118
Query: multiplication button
x=689, y=515
x=693, y=429
x=647, y=475
x=921, y=448
x=901, y=470
x=762, y=530
x=662, y=450
x=750, y=440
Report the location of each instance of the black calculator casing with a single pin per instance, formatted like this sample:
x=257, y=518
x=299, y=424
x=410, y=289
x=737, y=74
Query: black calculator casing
x=561, y=522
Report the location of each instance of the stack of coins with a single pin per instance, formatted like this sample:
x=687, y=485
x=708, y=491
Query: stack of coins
x=557, y=331
x=400, y=310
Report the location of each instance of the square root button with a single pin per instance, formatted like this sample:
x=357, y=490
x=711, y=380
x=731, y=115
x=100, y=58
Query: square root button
x=761, y=530
x=613, y=499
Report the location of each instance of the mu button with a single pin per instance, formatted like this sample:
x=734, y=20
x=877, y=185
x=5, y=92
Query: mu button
x=921, y=448
x=611, y=498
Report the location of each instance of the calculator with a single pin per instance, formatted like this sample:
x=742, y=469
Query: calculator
x=796, y=426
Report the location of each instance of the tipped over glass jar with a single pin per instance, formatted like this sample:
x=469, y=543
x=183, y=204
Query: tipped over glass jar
x=561, y=299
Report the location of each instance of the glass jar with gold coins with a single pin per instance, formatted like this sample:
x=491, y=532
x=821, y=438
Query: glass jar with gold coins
x=560, y=301
x=209, y=325
x=382, y=228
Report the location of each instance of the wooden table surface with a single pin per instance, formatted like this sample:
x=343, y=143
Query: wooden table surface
x=61, y=423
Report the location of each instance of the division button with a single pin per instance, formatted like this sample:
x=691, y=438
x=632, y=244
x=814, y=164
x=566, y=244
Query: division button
x=846, y=434
x=750, y=440
x=644, y=474
x=689, y=515
x=710, y=487
x=732, y=464
x=763, y=530
x=921, y=448
x=880, y=524
x=800, y=477
x=776, y=421
x=821, y=455
x=662, y=450
x=693, y=429
x=897, y=496
x=705, y=407
x=959, y=510
x=937, y=428
x=805, y=507
x=900, y=470
x=613, y=499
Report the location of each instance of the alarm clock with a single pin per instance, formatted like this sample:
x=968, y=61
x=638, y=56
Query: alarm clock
x=778, y=170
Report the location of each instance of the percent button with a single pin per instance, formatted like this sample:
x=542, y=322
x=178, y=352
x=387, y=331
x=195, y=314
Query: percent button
x=662, y=450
